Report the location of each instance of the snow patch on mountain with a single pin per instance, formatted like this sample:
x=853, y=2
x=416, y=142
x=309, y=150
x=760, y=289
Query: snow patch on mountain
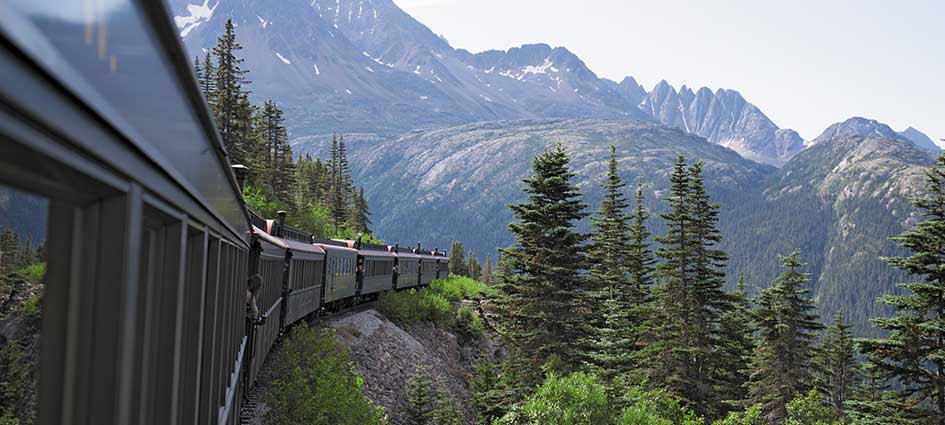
x=199, y=13
x=283, y=59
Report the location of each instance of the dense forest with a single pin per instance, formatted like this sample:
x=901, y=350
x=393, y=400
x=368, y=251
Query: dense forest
x=619, y=326
x=319, y=197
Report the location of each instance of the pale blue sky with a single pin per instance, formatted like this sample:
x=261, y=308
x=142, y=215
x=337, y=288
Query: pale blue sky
x=806, y=64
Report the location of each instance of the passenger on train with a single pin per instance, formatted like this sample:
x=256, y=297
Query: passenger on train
x=252, y=310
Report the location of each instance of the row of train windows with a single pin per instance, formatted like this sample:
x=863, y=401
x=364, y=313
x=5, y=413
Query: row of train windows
x=341, y=266
x=378, y=268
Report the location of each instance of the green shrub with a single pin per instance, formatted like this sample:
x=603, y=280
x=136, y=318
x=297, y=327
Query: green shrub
x=468, y=323
x=575, y=399
x=415, y=305
x=654, y=407
x=455, y=288
x=34, y=273
x=809, y=409
x=750, y=416
x=318, y=383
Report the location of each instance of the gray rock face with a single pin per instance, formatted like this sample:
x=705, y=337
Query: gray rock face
x=723, y=117
x=921, y=140
x=387, y=357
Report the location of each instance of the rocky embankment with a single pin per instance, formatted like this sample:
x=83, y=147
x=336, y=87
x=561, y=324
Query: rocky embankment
x=388, y=356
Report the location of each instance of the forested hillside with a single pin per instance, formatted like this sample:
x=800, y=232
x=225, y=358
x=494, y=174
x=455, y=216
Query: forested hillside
x=839, y=200
x=651, y=336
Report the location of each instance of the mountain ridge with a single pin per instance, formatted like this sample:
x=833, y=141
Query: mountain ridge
x=368, y=66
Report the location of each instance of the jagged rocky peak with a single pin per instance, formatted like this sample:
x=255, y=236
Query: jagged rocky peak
x=921, y=140
x=632, y=90
x=723, y=117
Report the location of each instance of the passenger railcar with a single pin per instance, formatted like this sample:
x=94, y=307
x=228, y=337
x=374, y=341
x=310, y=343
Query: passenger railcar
x=150, y=243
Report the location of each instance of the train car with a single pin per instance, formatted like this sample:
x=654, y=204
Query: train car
x=375, y=268
x=428, y=265
x=442, y=265
x=340, y=280
x=408, y=267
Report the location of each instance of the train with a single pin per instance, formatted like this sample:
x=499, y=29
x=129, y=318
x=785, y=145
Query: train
x=149, y=243
x=304, y=276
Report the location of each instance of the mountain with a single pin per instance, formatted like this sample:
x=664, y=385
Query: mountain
x=456, y=183
x=366, y=66
x=921, y=140
x=723, y=117
x=839, y=201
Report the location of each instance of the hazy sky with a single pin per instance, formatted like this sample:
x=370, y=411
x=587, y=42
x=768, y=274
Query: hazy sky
x=806, y=64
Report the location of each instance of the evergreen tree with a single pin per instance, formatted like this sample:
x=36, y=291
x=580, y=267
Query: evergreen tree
x=640, y=261
x=735, y=346
x=28, y=256
x=691, y=300
x=457, y=259
x=546, y=261
x=473, y=270
x=837, y=368
x=487, y=270
x=205, y=77
x=611, y=346
x=421, y=398
x=338, y=192
x=9, y=250
x=873, y=403
x=485, y=393
x=229, y=100
x=782, y=361
x=914, y=352
x=360, y=214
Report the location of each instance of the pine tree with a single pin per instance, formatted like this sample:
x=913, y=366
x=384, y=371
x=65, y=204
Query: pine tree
x=421, y=398
x=782, y=361
x=473, y=270
x=28, y=256
x=547, y=260
x=611, y=346
x=640, y=261
x=914, y=352
x=457, y=259
x=873, y=403
x=360, y=214
x=205, y=78
x=735, y=346
x=338, y=202
x=487, y=270
x=9, y=250
x=690, y=300
x=484, y=391
x=228, y=99
x=837, y=368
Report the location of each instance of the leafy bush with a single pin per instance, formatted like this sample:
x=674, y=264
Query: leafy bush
x=318, y=383
x=654, y=407
x=809, y=409
x=575, y=399
x=414, y=305
x=34, y=273
x=468, y=323
x=456, y=288
x=750, y=416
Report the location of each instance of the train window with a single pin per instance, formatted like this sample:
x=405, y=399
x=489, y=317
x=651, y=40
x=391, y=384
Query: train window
x=23, y=234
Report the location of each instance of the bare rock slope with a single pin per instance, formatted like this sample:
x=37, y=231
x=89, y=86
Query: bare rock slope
x=387, y=357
